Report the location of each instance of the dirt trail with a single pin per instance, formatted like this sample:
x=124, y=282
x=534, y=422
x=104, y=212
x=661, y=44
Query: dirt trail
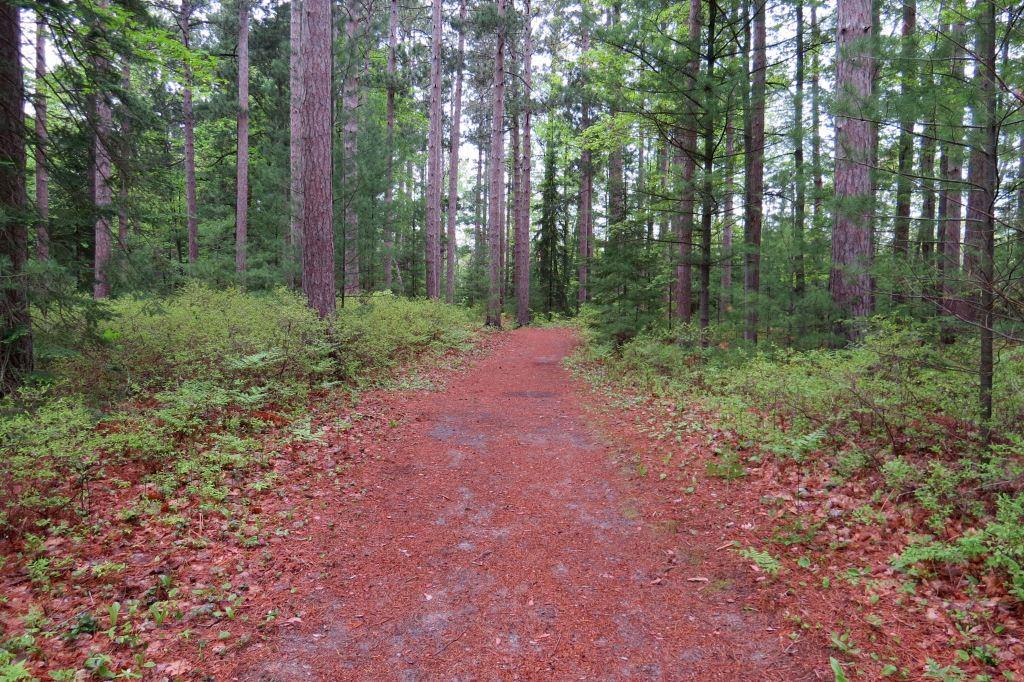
x=499, y=539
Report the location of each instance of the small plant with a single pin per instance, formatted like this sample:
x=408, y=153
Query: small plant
x=763, y=560
x=727, y=465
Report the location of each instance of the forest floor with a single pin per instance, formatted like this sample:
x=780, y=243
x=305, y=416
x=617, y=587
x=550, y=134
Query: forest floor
x=497, y=527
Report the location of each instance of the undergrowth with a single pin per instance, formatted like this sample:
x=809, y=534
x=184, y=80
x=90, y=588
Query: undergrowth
x=151, y=413
x=176, y=389
x=897, y=407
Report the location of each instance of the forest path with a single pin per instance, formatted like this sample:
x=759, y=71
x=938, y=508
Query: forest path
x=500, y=538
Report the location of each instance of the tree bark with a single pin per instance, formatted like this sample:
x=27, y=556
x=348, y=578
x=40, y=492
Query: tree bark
x=125, y=162
x=389, y=190
x=952, y=186
x=434, y=151
x=754, y=176
x=191, y=220
x=102, y=173
x=926, y=228
x=686, y=160
x=816, y=172
x=317, y=192
x=42, y=171
x=585, y=226
x=905, y=143
x=849, y=279
x=453, y=161
x=616, y=165
x=497, y=162
x=293, y=248
x=981, y=203
x=800, y=199
x=725, y=302
x=350, y=132
x=242, y=170
x=523, y=219
x=707, y=198
x=16, y=331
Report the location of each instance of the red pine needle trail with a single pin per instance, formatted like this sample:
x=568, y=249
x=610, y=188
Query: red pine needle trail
x=500, y=538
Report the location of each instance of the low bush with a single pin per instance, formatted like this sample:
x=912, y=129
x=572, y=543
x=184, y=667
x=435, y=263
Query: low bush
x=897, y=405
x=174, y=389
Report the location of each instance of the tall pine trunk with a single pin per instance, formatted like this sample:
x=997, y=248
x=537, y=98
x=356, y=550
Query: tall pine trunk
x=191, y=219
x=523, y=219
x=434, y=152
x=849, y=279
x=242, y=170
x=453, y=161
x=315, y=126
x=707, y=192
x=981, y=203
x=293, y=247
x=754, y=176
x=585, y=226
x=497, y=183
x=16, y=329
x=616, y=165
x=816, y=172
x=951, y=164
x=125, y=161
x=350, y=132
x=905, y=143
x=800, y=199
x=42, y=171
x=686, y=160
x=725, y=301
x=389, y=188
x=102, y=166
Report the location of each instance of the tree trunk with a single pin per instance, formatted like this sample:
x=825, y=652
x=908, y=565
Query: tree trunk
x=981, y=204
x=849, y=279
x=242, y=171
x=707, y=198
x=523, y=219
x=296, y=87
x=952, y=190
x=497, y=162
x=905, y=143
x=926, y=229
x=315, y=126
x=42, y=171
x=350, y=132
x=585, y=226
x=434, y=151
x=389, y=190
x=725, y=302
x=816, y=117
x=102, y=173
x=16, y=330
x=800, y=201
x=616, y=165
x=453, y=161
x=191, y=221
x=686, y=159
x=122, y=172
x=754, y=176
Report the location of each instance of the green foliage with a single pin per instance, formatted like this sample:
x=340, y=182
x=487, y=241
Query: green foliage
x=764, y=560
x=998, y=545
x=181, y=386
x=892, y=406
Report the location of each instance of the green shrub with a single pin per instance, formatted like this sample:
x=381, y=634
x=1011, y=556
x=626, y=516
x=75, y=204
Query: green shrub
x=178, y=387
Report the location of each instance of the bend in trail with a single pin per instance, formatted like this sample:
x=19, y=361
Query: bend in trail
x=503, y=541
